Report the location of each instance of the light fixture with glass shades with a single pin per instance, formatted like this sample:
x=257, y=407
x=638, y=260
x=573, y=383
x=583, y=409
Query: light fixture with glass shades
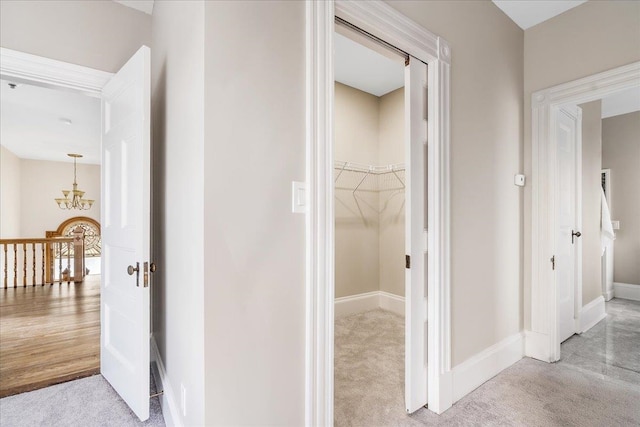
x=76, y=201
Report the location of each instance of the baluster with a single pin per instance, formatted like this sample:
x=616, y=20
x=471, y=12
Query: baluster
x=68, y=262
x=24, y=265
x=44, y=246
x=59, y=263
x=15, y=265
x=33, y=260
x=5, y=266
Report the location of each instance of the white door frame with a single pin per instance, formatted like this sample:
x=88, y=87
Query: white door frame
x=542, y=340
x=384, y=22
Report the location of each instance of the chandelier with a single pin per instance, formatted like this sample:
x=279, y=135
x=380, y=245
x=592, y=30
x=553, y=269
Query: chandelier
x=76, y=201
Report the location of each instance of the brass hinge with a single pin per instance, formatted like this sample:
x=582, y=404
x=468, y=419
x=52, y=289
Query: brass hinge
x=553, y=262
x=407, y=261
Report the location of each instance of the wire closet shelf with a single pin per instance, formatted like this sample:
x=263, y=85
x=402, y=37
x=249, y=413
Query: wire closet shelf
x=360, y=177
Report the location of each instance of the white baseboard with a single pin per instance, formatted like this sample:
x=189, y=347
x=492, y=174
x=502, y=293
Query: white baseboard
x=345, y=306
x=592, y=313
x=392, y=302
x=626, y=291
x=608, y=295
x=485, y=365
x=168, y=402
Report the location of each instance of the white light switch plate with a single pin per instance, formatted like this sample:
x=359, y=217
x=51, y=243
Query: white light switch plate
x=298, y=197
x=519, y=180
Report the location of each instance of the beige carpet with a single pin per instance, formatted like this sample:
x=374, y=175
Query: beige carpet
x=369, y=387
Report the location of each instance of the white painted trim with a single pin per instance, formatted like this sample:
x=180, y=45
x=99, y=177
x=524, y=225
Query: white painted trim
x=345, y=306
x=608, y=295
x=591, y=314
x=24, y=67
x=391, y=302
x=359, y=303
x=168, y=401
x=536, y=345
x=626, y=291
x=485, y=365
x=381, y=20
x=545, y=107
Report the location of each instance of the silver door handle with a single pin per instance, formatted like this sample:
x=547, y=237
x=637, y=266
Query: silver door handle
x=575, y=234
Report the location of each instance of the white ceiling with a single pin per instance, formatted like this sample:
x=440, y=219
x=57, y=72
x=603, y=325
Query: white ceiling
x=32, y=127
x=145, y=6
x=621, y=103
x=362, y=68
x=527, y=13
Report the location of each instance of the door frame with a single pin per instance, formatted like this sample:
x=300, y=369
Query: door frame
x=384, y=22
x=541, y=339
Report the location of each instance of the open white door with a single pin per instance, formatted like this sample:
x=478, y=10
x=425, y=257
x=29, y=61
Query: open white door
x=415, y=98
x=124, y=301
x=567, y=234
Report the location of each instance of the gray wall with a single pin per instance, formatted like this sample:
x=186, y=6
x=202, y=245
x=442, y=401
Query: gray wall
x=486, y=152
x=593, y=37
x=177, y=100
x=591, y=194
x=254, y=245
x=98, y=34
x=621, y=153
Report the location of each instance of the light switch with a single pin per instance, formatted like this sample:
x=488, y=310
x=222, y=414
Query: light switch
x=519, y=180
x=298, y=197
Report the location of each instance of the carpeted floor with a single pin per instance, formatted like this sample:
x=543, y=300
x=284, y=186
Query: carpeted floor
x=369, y=387
x=87, y=402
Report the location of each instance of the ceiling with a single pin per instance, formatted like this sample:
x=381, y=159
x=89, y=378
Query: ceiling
x=362, y=68
x=32, y=123
x=624, y=102
x=145, y=6
x=527, y=13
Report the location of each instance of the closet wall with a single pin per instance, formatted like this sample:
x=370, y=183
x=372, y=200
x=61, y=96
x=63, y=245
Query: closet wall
x=369, y=231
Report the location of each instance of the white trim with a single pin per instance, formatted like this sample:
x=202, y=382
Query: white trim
x=536, y=346
x=591, y=314
x=381, y=20
x=608, y=295
x=485, y=365
x=626, y=291
x=352, y=304
x=359, y=303
x=24, y=67
x=168, y=401
x=545, y=107
x=391, y=302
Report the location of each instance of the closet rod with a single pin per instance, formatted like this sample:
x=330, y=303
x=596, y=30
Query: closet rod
x=377, y=40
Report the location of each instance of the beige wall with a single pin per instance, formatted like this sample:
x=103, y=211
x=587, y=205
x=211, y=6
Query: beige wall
x=591, y=196
x=99, y=34
x=621, y=153
x=254, y=245
x=486, y=152
x=391, y=228
x=9, y=194
x=357, y=220
x=177, y=102
x=593, y=37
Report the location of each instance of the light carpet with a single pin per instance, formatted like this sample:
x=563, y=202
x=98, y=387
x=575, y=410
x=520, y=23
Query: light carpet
x=369, y=387
x=87, y=402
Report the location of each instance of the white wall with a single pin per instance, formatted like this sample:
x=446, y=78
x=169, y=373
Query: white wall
x=9, y=194
x=591, y=196
x=254, y=244
x=593, y=37
x=621, y=154
x=177, y=99
x=486, y=152
x=41, y=182
x=97, y=34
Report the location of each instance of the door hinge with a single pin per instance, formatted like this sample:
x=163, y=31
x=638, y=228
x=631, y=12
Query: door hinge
x=553, y=262
x=407, y=261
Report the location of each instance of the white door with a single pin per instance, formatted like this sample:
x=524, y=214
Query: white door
x=566, y=234
x=124, y=301
x=415, y=374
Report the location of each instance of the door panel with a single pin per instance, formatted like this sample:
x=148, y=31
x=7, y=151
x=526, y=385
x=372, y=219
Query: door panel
x=124, y=341
x=566, y=139
x=415, y=235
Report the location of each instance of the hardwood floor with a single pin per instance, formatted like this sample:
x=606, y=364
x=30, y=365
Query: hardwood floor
x=48, y=335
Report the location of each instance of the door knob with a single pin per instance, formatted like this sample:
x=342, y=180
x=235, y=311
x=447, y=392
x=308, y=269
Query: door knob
x=136, y=270
x=575, y=234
